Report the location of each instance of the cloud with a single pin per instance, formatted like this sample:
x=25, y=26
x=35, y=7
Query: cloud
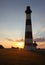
x=19, y=40
x=10, y=39
x=39, y=39
x=40, y=34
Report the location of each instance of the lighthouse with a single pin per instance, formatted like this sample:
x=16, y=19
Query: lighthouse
x=28, y=30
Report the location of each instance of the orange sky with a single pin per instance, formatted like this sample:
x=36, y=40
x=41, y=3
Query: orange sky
x=8, y=43
x=41, y=44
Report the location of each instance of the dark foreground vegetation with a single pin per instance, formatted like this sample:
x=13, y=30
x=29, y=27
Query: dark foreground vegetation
x=21, y=57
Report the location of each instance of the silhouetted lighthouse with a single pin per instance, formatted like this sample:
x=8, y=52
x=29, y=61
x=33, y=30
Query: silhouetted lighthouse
x=28, y=30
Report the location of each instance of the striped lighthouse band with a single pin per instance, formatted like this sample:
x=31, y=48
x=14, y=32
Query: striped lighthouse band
x=28, y=28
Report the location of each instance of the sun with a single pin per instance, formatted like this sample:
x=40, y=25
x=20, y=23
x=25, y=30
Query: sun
x=20, y=44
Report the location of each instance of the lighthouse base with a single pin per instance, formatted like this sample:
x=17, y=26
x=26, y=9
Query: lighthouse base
x=30, y=47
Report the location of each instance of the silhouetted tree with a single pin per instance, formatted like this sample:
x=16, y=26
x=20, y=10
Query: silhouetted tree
x=1, y=47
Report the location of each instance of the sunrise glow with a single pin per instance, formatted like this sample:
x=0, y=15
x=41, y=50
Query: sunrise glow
x=20, y=44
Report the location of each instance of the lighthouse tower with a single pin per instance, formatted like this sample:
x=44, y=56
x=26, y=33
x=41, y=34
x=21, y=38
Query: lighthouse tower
x=28, y=30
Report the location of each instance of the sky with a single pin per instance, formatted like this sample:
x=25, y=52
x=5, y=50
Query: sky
x=13, y=19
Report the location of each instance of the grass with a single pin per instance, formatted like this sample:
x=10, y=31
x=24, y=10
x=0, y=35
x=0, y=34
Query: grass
x=20, y=57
